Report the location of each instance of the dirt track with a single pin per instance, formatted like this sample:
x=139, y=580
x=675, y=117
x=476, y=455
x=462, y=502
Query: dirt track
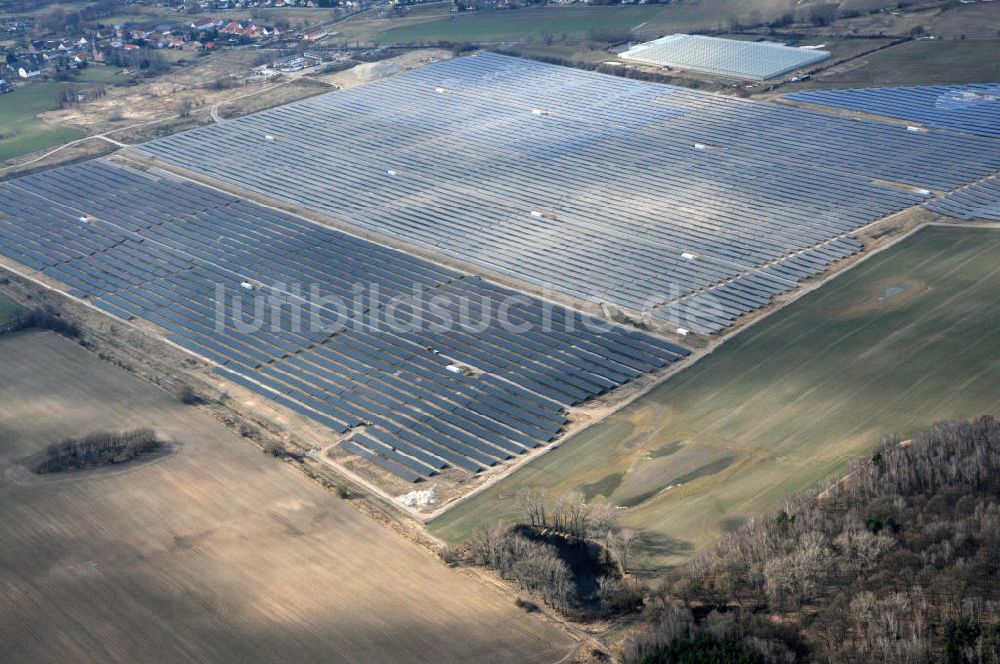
x=214, y=553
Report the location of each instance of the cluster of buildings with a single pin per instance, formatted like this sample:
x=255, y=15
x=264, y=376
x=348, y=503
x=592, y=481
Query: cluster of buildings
x=224, y=5
x=225, y=28
x=115, y=45
x=50, y=53
x=18, y=24
x=101, y=47
x=123, y=45
x=297, y=62
x=245, y=4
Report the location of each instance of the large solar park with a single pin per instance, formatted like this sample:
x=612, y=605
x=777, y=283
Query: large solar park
x=690, y=208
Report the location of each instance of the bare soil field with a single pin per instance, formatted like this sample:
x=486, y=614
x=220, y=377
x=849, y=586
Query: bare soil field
x=222, y=85
x=693, y=15
x=213, y=552
x=372, y=71
x=154, y=98
x=961, y=21
x=201, y=84
x=290, y=91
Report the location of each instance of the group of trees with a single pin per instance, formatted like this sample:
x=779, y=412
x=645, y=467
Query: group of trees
x=570, y=515
x=146, y=58
x=40, y=318
x=97, y=449
x=718, y=638
x=66, y=96
x=533, y=565
x=22, y=6
x=59, y=20
x=69, y=94
x=823, y=14
x=819, y=15
x=895, y=562
x=572, y=555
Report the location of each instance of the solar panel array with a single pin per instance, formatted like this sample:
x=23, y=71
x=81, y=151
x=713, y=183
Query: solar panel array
x=971, y=109
x=977, y=201
x=692, y=207
x=429, y=395
x=755, y=61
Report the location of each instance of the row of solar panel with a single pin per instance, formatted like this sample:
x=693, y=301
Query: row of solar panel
x=694, y=232
x=168, y=324
x=973, y=108
x=646, y=259
x=612, y=191
x=181, y=256
x=978, y=201
x=760, y=131
x=720, y=306
x=650, y=262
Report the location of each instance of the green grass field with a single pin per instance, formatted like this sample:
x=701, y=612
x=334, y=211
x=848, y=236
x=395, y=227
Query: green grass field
x=522, y=24
x=100, y=74
x=7, y=307
x=917, y=63
x=688, y=16
x=22, y=132
x=905, y=339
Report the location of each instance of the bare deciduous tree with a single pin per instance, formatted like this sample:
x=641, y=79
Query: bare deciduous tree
x=621, y=546
x=602, y=519
x=532, y=504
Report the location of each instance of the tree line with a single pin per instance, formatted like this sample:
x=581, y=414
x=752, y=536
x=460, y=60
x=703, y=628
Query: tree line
x=896, y=562
x=40, y=318
x=59, y=20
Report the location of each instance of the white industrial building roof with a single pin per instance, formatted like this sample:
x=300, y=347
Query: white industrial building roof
x=756, y=61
